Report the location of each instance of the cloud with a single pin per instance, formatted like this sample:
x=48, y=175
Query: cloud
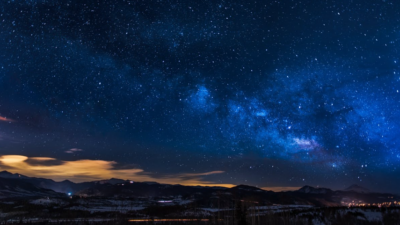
x=43, y=161
x=73, y=150
x=5, y=119
x=91, y=170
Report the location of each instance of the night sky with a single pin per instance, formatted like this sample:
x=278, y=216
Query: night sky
x=274, y=94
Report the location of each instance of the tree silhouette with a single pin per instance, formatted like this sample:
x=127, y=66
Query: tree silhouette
x=241, y=213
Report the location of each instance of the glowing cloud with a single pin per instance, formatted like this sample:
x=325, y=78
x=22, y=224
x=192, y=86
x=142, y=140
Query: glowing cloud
x=13, y=159
x=90, y=170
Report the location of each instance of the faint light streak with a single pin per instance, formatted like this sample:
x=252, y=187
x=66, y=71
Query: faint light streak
x=5, y=119
x=208, y=173
x=73, y=150
x=93, y=170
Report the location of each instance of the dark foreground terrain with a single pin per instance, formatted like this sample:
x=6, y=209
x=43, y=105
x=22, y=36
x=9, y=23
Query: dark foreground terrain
x=26, y=200
x=107, y=211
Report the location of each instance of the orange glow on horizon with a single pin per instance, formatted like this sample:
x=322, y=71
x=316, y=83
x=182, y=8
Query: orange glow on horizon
x=93, y=170
x=279, y=189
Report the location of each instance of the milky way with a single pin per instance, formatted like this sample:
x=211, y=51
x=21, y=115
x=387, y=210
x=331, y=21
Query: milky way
x=273, y=93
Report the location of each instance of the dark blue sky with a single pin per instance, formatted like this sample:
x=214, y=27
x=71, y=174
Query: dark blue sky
x=273, y=93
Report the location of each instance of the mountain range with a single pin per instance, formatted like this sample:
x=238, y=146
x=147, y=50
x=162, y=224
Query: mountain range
x=65, y=186
x=17, y=185
x=15, y=188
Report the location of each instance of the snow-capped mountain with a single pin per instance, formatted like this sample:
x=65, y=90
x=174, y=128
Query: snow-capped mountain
x=312, y=190
x=16, y=185
x=15, y=188
x=65, y=186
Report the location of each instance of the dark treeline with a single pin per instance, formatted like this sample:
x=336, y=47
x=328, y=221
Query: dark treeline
x=226, y=211
x=244, y=216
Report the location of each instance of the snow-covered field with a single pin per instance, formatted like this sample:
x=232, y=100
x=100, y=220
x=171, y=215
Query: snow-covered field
x=176, y=208
x=121, y=209
x=48, y=201
x=361, y=214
